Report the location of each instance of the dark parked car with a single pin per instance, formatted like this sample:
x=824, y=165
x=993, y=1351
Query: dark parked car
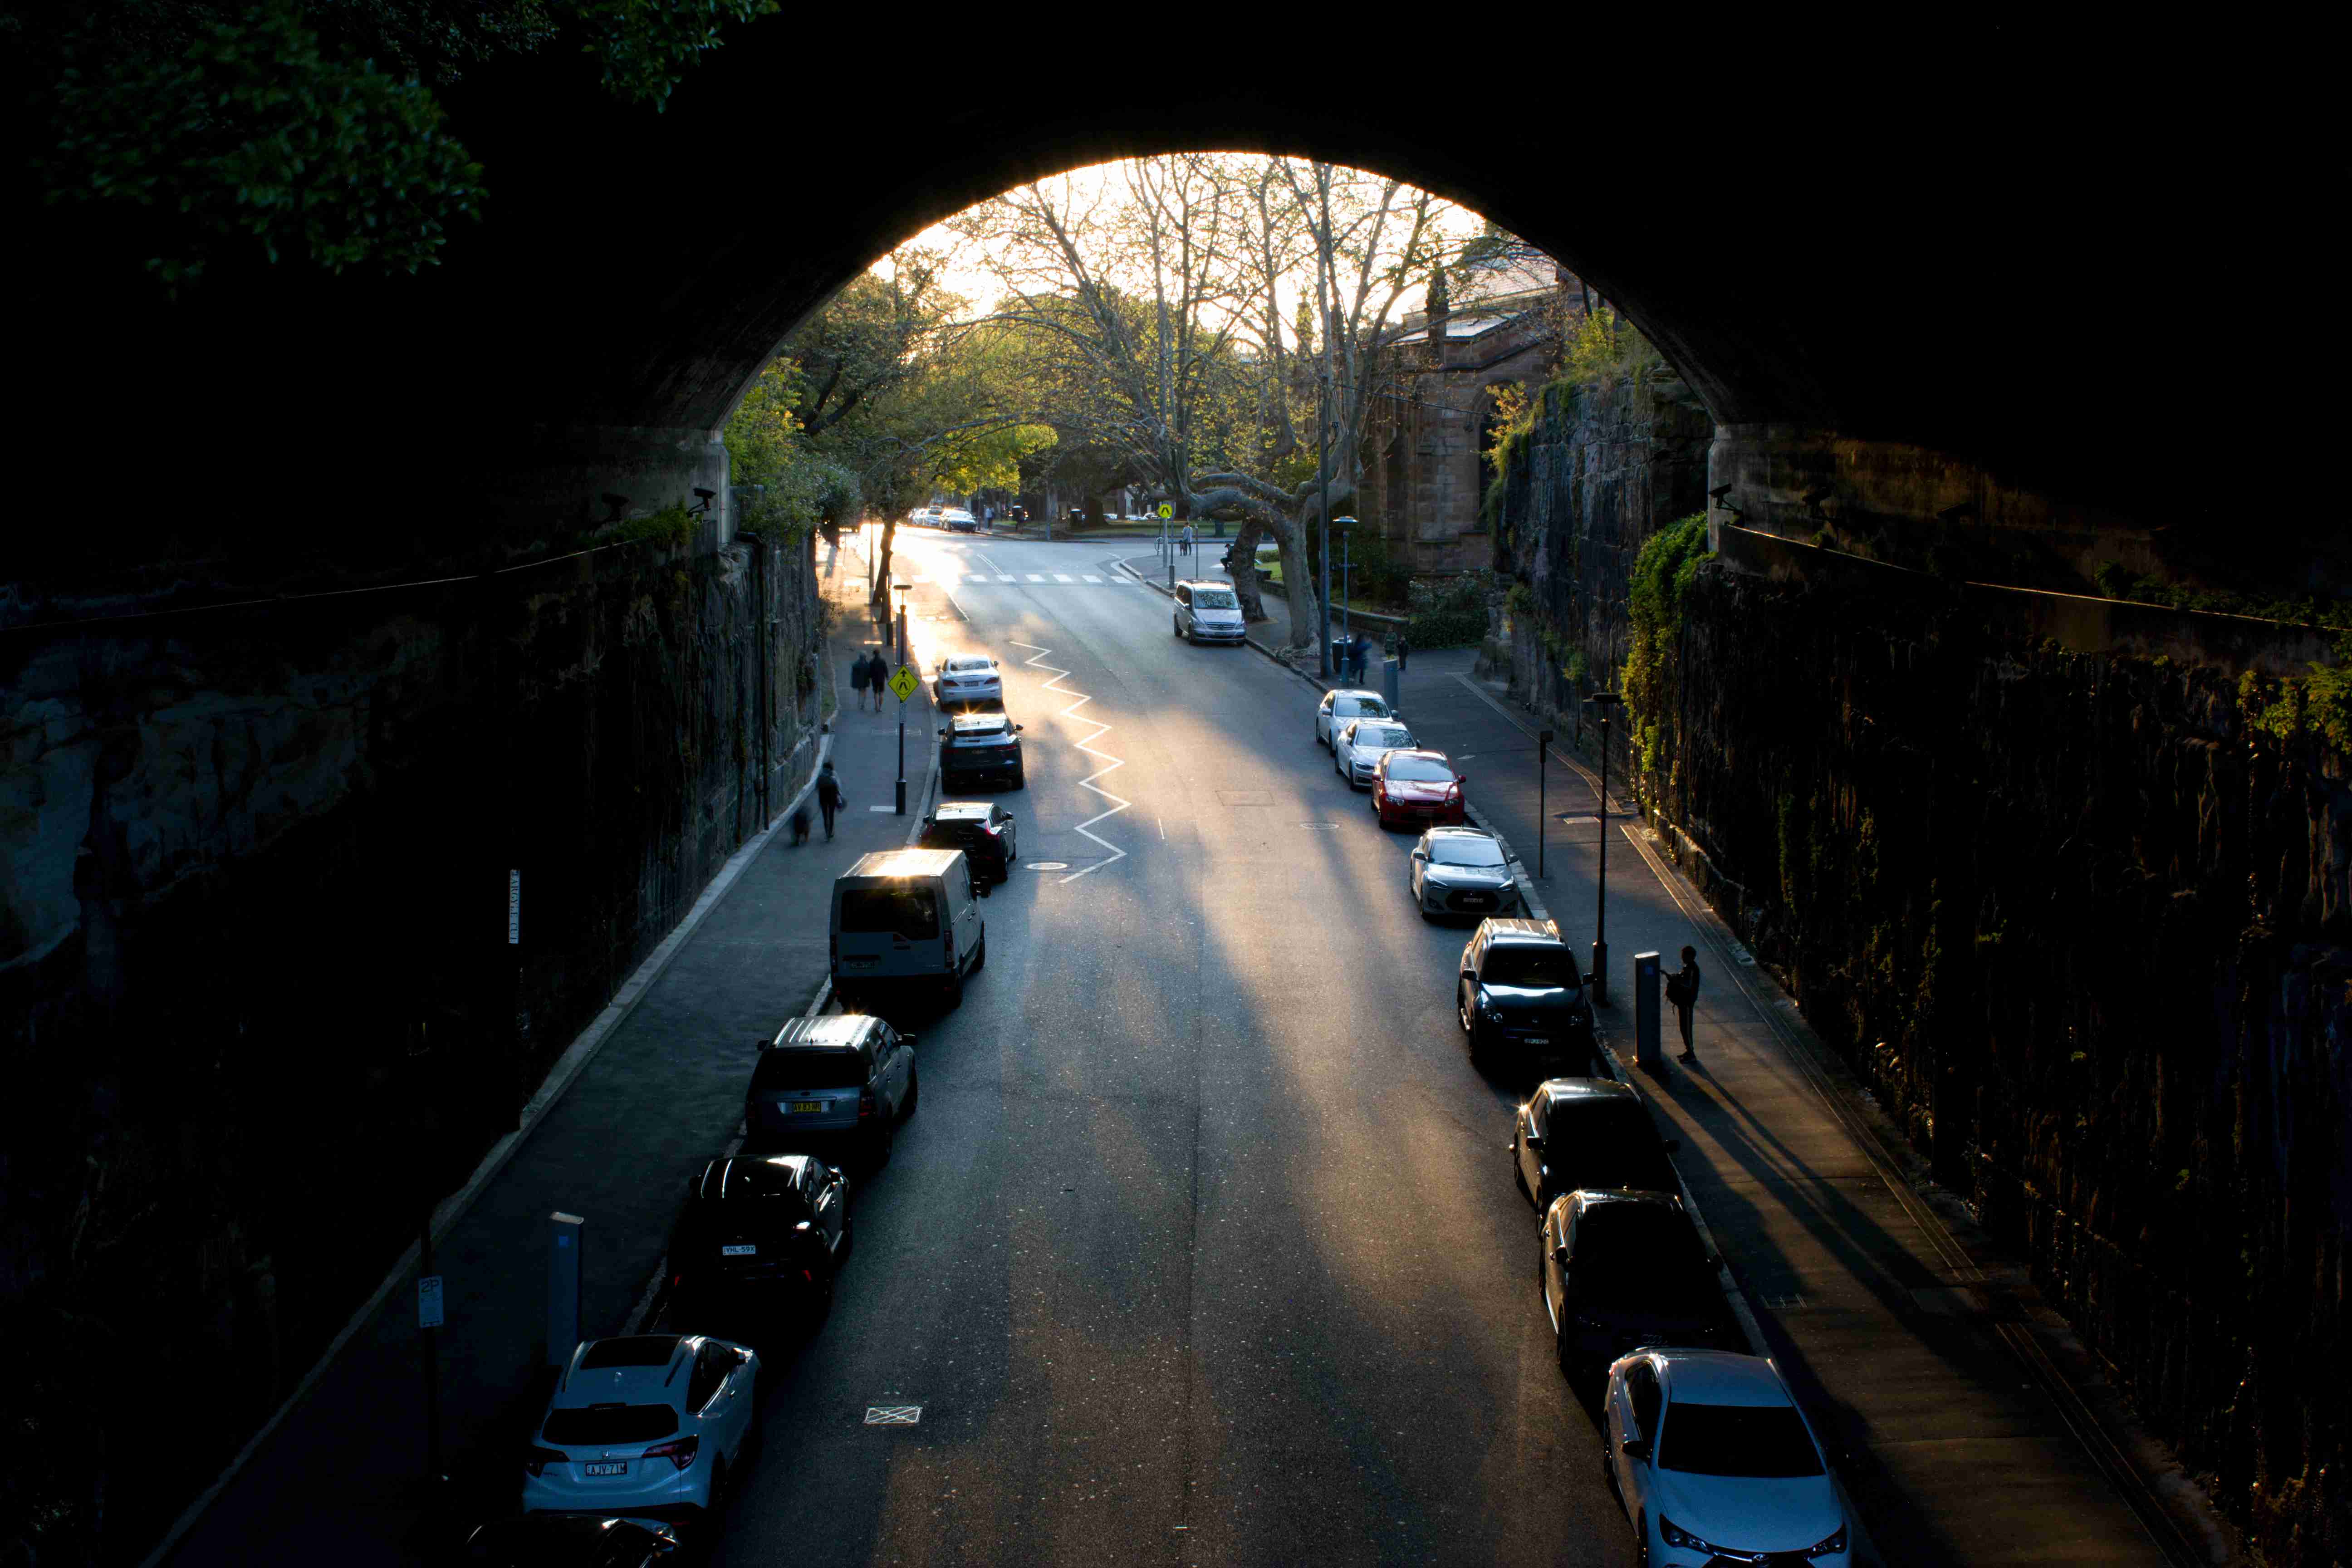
x=981, y=746
x=1520, y=996
x=845, y=1078
x=759, y=1235
x=1621, y=1270
x=569, y=1541
x=984, y=830
x=1591, y=1134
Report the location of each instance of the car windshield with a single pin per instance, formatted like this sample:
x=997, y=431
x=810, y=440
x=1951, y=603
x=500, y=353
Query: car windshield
x=980, y=732
x=1639, y=1257
x=908, y=912
x=967, y=666
x=1532, y=965
x=1380, y=737
x=1419, y=770
x=1609, y=1144
x=787, y=1069
x=1359, y=708
x=1213, y=599
x=1451, y=851
x=586, y=1426
x=1760, y=1440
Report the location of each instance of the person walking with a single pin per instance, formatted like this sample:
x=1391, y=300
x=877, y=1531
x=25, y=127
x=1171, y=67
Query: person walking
x=1188, y=539
x=875, y=677
x=1681, y=990
x=1403, y=647
x=828, y=796
x=858, y=679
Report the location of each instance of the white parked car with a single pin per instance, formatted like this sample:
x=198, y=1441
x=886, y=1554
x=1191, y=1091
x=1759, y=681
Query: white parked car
x=1360, y=745
x=1338, y=707
x=967, y=677
x=1712, y=1458
x=642, y=1424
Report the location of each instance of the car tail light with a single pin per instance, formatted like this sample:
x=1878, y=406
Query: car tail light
x=864, y=1104
x=536, y=1460
x=678, y=1451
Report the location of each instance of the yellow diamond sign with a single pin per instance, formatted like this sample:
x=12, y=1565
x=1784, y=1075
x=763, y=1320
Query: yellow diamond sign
x=1167, y=511
x=902, y=681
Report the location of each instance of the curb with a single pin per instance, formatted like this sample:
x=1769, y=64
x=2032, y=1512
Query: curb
x=560, y=1077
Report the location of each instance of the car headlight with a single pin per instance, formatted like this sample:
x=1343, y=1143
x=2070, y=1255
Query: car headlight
x=1673, y=1536
x=1833, y=1544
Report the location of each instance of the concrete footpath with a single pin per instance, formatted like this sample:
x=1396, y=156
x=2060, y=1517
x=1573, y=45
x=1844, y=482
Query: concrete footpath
x=341, y=1479
x=1979, y=1431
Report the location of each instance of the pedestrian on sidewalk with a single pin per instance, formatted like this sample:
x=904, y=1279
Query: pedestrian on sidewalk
x=1681, y=990
x=1188, y=539
x=857, y=679
x=801, y=824
x=874, y=679
x=1403, y=647
x=828, y=800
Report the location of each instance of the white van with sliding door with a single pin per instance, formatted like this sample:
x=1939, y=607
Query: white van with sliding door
x=906, y=915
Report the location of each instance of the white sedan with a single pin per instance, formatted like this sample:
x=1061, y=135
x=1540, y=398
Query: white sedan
x=1338, y=707
x=1711, y=1457
x=967, y=677
x=641, y=1424
x=1357, y=750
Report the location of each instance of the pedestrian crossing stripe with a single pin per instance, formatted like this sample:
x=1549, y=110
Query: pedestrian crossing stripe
x=1036, y=577
x=1059, y=577
x=1091, y=578
x=1004, y=576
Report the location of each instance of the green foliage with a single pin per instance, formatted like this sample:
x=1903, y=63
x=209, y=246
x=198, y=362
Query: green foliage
x=672, y=526
x=2318, y=705
x=1448, y=613
x=1603, y=350
x=2117, y=584
x=644, y=46
x=798, y=488
x=1663, y=573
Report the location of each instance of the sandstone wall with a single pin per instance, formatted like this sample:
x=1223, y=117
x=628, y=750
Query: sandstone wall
x=2087, y=933
x=258, y=1000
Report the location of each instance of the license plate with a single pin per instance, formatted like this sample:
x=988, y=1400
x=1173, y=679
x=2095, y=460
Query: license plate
x=739, y=1249
x=1538, y=1040
x=1475, y=900
x=857, y=964
x=615, y=1468
x=804, y=1107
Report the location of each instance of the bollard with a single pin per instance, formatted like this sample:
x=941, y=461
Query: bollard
x=1388, y=684
x=565, y=1236
x=1646, y=1052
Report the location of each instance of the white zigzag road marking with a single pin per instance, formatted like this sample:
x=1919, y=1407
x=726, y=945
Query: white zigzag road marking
x=1087, y=745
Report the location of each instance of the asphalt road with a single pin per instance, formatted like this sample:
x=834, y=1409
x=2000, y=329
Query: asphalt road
x=1202, y=1247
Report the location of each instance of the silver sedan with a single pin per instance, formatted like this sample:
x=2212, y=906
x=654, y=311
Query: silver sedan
x=1462, y=871
x=967, y=677
x=1357, y=748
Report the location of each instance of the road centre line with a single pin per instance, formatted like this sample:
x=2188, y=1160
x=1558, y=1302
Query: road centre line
x=1087, y=745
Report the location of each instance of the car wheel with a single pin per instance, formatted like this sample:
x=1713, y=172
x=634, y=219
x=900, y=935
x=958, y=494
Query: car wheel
x=1462, y=1010
x=1564, y=1353
x=980, y=958
x=1175, y=627
x=1020, y=777
x=718, y=1485
x=1519, y=1174
x=954, y=989
x=1640, y=1542
x=884, y=1137
x=914, y=1097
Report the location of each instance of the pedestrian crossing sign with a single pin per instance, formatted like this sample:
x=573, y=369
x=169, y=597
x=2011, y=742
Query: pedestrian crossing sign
x=1166, y=511
x=902, y=681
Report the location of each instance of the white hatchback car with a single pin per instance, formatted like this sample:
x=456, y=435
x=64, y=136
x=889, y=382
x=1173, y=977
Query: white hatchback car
x=1338, y=707
x=967, y=677
x=1357, y=751
x=646, y=1425
x=1712, y=1459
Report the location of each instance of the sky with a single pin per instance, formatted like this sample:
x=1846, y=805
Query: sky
x=975, y=283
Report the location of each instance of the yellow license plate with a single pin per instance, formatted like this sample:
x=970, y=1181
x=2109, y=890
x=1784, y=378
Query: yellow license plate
x=807, y=1106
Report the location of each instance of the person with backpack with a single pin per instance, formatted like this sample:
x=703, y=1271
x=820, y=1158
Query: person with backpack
x=1681, y=990
x=828, y=796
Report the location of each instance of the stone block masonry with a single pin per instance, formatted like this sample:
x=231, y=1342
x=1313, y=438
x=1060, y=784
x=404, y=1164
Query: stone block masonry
x=258, y=997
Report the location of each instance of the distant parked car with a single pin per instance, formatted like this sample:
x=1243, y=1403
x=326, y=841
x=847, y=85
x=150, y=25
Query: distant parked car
x=570, y=1541
x=967, y=679
x=1209, y=611
x=1714, y=1462
x=646, y=1425
x=844, y=1079
x=1621, y=1270
x=1520, y=996
x=1460, y=871
x=983, y=829
x=1357, y=753
x=759, y=1235
x=1588, y=1133
x=976, y=747
x=1417, y=785
x=958, y=521
x=1338, y=707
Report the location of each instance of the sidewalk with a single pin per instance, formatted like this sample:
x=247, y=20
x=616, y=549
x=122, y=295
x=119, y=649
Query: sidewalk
x=340, y=1480
x=1924, y=1350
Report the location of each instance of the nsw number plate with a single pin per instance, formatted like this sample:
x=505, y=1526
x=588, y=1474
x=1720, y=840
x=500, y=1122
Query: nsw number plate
x=618, y=1468
x=739, y=1249
x=806, y=1106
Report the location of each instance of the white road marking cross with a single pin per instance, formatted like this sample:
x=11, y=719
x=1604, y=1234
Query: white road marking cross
x=1087, y=745
x=893, y=1415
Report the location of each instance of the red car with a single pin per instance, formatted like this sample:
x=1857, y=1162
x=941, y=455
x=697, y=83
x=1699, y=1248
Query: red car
x=1415, y=787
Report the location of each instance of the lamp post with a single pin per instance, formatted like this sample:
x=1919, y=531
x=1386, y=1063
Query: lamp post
x=898, y=592
x=1606, y=703
x=1323, y=500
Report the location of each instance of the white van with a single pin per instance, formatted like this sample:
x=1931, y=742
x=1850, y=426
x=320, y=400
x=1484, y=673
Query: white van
x=1208, y=612
x=906, y=914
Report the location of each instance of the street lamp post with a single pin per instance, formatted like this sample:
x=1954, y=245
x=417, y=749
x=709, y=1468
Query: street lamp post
x=898, y=592
x=1607, y=702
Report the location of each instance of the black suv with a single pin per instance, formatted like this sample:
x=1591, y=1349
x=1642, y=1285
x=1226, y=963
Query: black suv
x=757, y=1233
x=984, y=830
x=1588, y=1132
x=1625, y=1270
x=981, y=746
x=1520, y=991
